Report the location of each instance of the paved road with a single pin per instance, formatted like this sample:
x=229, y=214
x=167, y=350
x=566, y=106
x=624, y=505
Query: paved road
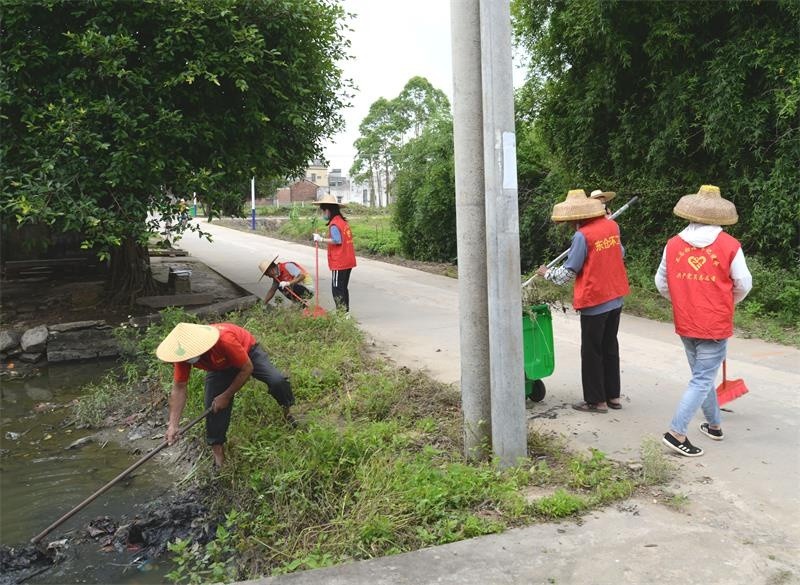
x=742, y=520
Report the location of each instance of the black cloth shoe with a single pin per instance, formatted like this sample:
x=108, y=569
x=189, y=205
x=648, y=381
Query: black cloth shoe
x=715, y=434
x=686, y=448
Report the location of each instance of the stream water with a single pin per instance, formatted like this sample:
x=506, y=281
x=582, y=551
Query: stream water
x=42, y=478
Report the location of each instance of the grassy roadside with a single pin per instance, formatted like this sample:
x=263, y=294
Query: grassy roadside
x=375, y=467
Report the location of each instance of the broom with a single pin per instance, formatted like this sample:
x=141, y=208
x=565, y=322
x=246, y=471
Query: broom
x=729, y=389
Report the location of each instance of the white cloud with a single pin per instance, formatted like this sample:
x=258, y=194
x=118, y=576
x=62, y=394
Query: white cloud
x=391, y=42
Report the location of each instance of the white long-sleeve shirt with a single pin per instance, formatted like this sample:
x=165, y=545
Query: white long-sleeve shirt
x=701, y=235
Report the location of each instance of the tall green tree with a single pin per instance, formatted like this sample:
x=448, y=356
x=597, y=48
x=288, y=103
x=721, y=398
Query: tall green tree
x=109, y=107
x=389, y=125
x=425, y=211
x=658, y=98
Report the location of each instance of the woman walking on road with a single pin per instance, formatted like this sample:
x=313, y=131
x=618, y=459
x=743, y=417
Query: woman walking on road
x=704, y=273
x=341, y=253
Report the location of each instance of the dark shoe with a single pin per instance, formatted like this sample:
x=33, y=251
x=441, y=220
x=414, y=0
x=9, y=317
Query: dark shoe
x=715, y=434
x=614, y=405
x=686, y=448
x=589, y=407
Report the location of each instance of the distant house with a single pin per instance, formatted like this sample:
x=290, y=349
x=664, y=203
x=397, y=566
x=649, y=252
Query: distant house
x=300, y=191
x=317, y=173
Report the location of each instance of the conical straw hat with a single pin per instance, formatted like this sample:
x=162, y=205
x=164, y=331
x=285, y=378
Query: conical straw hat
x=186, y=341
x=706, y=206
x=577, y=206
x=264, y=265
x=328, y=199
x=604, y=196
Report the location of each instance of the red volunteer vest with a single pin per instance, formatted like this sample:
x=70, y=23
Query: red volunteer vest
x=341, y=256
x=230, y=351
x=285, y=276
x=701, y=288
x=603, y=276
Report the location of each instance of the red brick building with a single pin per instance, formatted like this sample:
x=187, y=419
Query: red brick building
x=302, y=190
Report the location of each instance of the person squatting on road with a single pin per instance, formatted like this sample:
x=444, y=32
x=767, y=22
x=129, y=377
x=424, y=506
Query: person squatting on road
x=595, y=261
x=288, y=277
x=230, y=355
x=341, y=253
x=704, y=273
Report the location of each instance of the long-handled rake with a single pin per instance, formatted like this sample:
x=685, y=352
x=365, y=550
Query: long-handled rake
x=308, y=311
x=116, y=480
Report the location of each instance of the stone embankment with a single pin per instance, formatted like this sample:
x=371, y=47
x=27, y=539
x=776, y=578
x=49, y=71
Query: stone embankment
x=59, y=342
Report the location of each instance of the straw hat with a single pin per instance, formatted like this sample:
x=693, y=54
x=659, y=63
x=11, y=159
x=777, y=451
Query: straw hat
x=603, y=196
x=328, y=199
x=264, y=265
x=186, y=341
x=577, y=206
x=706, y=206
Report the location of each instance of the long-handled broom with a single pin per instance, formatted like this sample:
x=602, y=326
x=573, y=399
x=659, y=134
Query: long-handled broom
x=317, y=311
x=729, y=389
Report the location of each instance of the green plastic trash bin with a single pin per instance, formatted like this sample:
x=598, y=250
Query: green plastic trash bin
x=538, y=350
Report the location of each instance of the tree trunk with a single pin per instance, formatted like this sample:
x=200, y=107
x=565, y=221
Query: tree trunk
x=386, y=184
x=130, y=273
x=371, y=187
x=379, y=189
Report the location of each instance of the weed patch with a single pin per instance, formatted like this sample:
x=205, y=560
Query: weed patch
x=375, y=467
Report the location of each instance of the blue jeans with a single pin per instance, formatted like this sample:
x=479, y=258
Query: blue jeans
x=705, y=357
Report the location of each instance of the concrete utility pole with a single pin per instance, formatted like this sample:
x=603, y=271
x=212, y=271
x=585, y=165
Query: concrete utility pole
x=471, y=227
x=509, y=437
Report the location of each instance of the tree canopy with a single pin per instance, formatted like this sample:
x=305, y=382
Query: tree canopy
x=389, y=125
x=109, y=107
x=658, y=98
x=406, y=144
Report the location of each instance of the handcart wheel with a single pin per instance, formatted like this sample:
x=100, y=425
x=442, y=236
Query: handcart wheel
x=538, y=391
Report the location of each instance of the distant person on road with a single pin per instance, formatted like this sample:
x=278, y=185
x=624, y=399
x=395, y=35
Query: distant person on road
x=595, y=262
x=183, y=212
x=704, y=273
x=288, y=277
x=231, y=355
x=603, y=197
x=341, y=252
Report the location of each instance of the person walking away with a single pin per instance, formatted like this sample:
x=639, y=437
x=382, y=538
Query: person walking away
x=230, y=355
x=595, y=261
x=341, y=252
x=704, y=273
x=604, y=197
x=288, y=277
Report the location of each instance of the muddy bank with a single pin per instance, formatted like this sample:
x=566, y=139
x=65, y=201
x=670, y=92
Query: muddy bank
x=139, y=539
x=50, y=465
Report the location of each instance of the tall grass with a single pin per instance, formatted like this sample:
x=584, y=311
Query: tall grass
x=375, y=467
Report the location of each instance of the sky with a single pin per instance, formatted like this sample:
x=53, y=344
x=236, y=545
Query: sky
x=391, y=42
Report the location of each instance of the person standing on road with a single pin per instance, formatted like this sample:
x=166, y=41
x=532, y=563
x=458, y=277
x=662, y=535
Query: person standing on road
x=704, y=273
x=288, y=277
x=603, y=197
x=341, y=252
x=231, y=355
x=595, y=261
